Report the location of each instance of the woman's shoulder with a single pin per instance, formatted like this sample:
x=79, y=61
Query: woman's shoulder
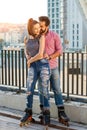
x=42, y=36
x=27, y=39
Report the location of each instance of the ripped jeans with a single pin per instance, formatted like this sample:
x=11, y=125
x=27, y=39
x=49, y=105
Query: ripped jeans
x=55, y=86
x=38, y=70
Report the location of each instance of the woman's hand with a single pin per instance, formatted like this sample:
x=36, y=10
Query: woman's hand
x=28, y=63
x=25, y=39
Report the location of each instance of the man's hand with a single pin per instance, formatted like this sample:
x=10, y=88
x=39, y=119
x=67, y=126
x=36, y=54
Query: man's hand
x=46, y=56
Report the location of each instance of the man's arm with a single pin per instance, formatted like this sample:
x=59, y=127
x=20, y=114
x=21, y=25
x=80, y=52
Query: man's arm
x=58, y=47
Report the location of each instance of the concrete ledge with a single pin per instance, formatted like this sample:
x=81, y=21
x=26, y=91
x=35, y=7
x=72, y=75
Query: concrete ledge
x=77, y=112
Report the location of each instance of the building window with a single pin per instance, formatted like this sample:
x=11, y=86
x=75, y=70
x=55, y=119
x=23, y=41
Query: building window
x=53, y=26
x=73, y=37
x=57, y=31
x=73, y=25
x=57, y=10
x=53, y=10
x=73, y=43
x=52, y=15
x=73, y=31
x=77, y=25
x=57, y=20
x=57, y=26
x=48, y=4
x=57, y=4
x=48, y=15
x=77, y=37
x=52, y=4
x=61, y=32
x=52, y=20
x=77, y=31
x=48, y=10
x=57, y=15
x=77, y=43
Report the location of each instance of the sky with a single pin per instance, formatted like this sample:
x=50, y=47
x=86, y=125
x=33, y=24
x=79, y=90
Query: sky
x=19, y=11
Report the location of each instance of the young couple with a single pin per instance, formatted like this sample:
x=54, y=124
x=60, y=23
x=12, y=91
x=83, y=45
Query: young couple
x=42, y=49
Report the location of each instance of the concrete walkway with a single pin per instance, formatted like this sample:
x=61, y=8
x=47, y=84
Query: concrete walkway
x=77, y=112
x=9, y=123
x=13, y=124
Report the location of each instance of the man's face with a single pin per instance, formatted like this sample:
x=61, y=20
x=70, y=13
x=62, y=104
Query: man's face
x=43, y=27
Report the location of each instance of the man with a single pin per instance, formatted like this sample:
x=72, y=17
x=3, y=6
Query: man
x=53, y=49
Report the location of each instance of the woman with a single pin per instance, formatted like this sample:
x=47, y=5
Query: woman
x=38, y=67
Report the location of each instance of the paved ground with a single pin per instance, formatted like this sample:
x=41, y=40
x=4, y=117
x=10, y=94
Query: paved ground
x=7, y=123
x=13, y=124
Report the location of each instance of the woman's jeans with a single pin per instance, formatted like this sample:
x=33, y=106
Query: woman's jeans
x=55, y=86
x=38, y=70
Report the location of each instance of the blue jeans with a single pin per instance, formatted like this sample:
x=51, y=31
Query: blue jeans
x=39, y=70
x=55, y=86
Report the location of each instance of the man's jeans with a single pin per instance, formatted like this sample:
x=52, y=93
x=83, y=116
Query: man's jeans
x=42, y=71
x=55, y=86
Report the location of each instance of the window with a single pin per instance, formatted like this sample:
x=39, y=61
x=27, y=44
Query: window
x=57, y=10
x=77, y=31
x=73, y=31
x=53, y=10
x=73, y=44
x=48, y=10
x=57, y=26
x=56, y=4
x=57, y=15
x=52, y=4
x=77, y=37
x=49, y=14
x=57, y=31
x=48, y=4
x=73, y=37
x=77, y=25
x=52, y=15
x=53, y=26
x=73, y=25
x=52, y=20
x=77, y=43
x=57, y=20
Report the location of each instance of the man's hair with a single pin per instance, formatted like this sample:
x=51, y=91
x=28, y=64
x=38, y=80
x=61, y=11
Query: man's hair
x=44, y=19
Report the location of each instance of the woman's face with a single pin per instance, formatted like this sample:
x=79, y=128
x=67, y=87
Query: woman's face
x=36, y=29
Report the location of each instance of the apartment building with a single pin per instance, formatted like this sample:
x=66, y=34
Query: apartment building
x=67, y=21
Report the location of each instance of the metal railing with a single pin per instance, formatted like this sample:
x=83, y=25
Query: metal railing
x=72, y=67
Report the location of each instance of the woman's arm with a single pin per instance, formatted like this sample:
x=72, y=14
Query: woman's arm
x=39, y=55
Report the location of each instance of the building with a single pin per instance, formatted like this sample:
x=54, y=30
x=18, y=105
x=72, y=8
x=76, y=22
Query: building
x=66, y=19
x=54, y=9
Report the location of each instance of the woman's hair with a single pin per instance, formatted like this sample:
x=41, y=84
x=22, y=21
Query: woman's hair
x=31, y=23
